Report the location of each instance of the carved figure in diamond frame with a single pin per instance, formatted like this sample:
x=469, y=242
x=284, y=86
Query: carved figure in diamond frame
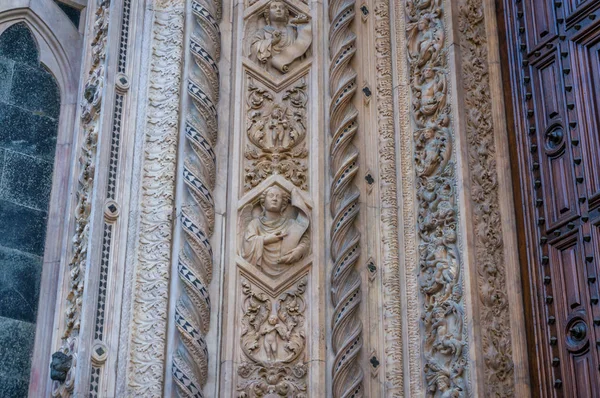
x=282, y=39
x=274, y=240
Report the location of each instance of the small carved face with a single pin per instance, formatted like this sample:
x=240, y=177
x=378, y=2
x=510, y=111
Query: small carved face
x=272, y=320
x=428, y=73
x=278, y=12
x=274, y=199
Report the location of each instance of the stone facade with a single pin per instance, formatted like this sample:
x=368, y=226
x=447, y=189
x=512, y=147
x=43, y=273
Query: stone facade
x=259, y=198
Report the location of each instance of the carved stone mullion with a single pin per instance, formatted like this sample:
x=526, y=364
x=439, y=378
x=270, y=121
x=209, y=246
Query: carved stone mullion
x=346, y=332
x=192, y=313
x=440, y=272
x=91, y=115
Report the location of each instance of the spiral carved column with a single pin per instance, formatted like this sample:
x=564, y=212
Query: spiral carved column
x=192, y=314
x=345, y=238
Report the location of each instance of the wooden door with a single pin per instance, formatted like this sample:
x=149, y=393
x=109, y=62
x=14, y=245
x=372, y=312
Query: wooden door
x=552, y=76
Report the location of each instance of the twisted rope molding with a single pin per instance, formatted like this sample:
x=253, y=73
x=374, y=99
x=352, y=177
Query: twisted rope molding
x=346, y=336
x=192, y=313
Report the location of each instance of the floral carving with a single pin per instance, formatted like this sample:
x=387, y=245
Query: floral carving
x=276, y=131
x=273, y=342
x=440, y=268
x=491, y=273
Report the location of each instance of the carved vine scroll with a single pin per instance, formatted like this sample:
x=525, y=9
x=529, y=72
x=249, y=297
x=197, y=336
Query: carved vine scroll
x=192, y=313
x=347, y=334
x=489, y=245
x=440, y=267
x=151, y=285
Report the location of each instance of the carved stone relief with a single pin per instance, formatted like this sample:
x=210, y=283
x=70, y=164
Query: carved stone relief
x=440, y=268
x=491, y=270
x=277, y=36
x=276, y=131
x=273, y=341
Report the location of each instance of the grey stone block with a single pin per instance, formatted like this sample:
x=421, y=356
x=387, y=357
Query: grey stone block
x=6, y=74
x=26, y=180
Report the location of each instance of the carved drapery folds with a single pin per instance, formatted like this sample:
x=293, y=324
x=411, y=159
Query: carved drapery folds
x=192, y=313
x=346, y=335
x=90, y=117
x=440, y=268
x=491, y=271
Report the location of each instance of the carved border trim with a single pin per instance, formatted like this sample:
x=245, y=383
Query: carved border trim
x=151, y=286
x=389, y=203
x=489, y=246
x=192, y=312
x=91, y=110
x=346, y=334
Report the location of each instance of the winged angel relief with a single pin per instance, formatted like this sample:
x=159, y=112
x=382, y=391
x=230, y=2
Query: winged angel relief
x=276, y=132
x=273, y=340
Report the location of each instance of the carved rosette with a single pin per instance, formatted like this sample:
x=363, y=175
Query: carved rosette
x=346, y=335
x=91, y=109
x=192, y=313
x=491, y=273
x=440, y=267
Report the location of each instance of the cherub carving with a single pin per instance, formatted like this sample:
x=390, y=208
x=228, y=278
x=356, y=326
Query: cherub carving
x=282, y=40
x=273, y=240
x=431, y=92
x=425, y=40
x=271, y=330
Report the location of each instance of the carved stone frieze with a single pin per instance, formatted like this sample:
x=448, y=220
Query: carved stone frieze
x=489, y=247
x=277, y=36
x=151, y=282
x=273, y=341
x=345, y=247
x=440, y=267
x=389, y=203
x=93, y=90
x=195, y=263
x=276, y=132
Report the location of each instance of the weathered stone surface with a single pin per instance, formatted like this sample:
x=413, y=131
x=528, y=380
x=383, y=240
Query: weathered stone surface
x=26, y=132
x=16, y=340
x=18, y=44
x=6, y=73
x=22, y=228
x=26, y=180
x=19, y=284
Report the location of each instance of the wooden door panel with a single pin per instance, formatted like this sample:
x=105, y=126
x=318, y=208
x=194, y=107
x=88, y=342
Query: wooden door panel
x=554, y=73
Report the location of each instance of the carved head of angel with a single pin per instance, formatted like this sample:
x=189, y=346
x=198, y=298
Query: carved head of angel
x=274, y=199
x=277, y=12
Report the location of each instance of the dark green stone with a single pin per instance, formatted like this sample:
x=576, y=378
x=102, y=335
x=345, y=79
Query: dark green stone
x=16, y=347
x=11, y=387
x=19, y=284
x=6, y=73
x=17, y=43
x=25, y=132
x=36, y=90
x=22, y=228
x=26, y=180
